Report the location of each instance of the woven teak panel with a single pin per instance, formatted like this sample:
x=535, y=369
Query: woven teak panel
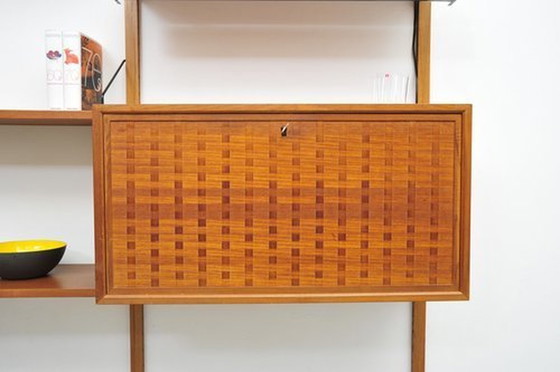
x=224, y=207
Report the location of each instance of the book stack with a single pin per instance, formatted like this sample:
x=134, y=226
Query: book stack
x=74, y=70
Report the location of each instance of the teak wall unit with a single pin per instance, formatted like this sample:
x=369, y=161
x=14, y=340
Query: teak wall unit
x=132, y=14
x=78, y=280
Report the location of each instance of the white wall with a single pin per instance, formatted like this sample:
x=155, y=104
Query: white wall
x=500, y=55
x=271, y=52
x=503, y=56
x=46, y=188
x=46, y=192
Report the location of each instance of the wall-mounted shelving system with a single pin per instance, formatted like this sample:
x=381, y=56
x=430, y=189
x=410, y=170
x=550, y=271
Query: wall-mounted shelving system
x=78, y=280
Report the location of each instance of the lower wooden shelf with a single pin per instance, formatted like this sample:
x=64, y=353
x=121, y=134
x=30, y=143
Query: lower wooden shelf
x=70, y=280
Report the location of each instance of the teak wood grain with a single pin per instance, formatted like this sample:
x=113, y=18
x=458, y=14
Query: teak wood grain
x=136, y=325
x=211, y=204
x=45, y=117
x=424, y=51
x=418, y=362
x=132, y=37
x=66, y=280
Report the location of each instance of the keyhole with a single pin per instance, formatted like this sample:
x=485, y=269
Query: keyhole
x=284, y=130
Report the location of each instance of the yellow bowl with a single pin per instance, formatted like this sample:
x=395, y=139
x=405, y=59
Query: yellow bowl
x=28, y=259
x=30, y=246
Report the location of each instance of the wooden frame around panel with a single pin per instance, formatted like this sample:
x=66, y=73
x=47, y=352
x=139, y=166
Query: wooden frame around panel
x=104, y=115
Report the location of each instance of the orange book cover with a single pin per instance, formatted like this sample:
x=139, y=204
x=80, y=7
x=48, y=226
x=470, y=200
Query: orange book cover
x=92, y=85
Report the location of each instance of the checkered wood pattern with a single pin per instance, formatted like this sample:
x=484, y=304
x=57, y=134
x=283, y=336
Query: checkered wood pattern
x=210, y=204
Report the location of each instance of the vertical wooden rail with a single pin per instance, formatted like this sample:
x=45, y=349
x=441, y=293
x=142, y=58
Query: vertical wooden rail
x=132, y=41
x=418, y=336
x=418, y=359
x=424, y=50
x=137, y=338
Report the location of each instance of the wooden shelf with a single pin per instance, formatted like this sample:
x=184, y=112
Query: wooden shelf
x=71, y=280
x=45, y=117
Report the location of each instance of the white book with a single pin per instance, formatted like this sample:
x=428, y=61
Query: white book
x=54, y=57
x=72, y=49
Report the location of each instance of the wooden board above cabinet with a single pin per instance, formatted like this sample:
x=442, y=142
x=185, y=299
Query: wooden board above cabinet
x=282, y=203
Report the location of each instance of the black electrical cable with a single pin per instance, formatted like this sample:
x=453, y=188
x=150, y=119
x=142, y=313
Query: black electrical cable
x=415, y=41
x=111, y=81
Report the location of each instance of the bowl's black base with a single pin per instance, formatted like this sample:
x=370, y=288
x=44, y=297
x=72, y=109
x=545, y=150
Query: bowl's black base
x=29, y=265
